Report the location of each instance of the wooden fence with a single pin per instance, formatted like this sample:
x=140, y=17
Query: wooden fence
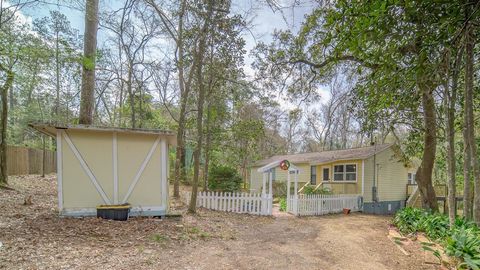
x=23, y=160
x=320, y=204
x=251, y=203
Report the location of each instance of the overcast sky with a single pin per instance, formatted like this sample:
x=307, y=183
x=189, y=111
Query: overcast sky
x=264, y=20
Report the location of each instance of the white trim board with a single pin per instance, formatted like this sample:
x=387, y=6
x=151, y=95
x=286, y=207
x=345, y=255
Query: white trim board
x=163, y=171
x=115, y=167
x=59, y=170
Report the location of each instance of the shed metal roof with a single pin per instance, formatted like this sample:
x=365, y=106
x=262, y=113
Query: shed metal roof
x=327, y=156
x=50, y=129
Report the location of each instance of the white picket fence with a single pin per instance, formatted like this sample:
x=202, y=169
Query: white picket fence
x=237, y=202
x=320, y=204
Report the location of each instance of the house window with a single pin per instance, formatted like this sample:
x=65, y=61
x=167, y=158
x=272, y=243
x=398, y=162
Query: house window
x=326, y=174
x=313, y=175
x=345, y=172
x=351, y=172
x=274, y=175
x=338, y=173
x=411, y=179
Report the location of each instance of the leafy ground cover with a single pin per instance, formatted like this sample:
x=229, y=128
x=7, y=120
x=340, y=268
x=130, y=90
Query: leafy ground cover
x=461, y=240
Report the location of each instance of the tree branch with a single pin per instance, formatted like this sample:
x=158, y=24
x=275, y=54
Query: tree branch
x=335, y=59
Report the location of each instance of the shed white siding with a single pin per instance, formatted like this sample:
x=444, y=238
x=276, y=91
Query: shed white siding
x=98, y=166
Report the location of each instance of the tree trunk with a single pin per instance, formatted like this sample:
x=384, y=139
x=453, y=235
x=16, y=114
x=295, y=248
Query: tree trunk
x=11, y=101
x=207, y=148
x=184, y=91
x=244, y=172
x=122, y=83
x=3, y=124
x=88, y=73
x=132, y=98
x=424, y=172
x=470, y=123
x=57, y=75
x=140, y=108
x=450, y=101
x=201, y=100
x=44, y=156
x=467, y=176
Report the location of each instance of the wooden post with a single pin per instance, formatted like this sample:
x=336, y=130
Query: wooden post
x=288, y=192
x=264, y=186
x=295, y=196
x=270, y=184
x=264, y=192
x=270, y=196
x=296, y=184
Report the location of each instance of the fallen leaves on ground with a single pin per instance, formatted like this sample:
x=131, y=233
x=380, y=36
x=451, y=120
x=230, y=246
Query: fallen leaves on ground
x=33, y=236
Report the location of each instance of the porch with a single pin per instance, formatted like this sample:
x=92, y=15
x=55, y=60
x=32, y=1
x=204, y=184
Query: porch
x=441, y=191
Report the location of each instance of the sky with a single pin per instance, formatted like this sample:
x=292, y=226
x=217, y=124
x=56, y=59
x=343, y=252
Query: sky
x=264, y=20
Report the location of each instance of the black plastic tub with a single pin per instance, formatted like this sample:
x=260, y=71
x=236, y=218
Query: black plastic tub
x=114, y=212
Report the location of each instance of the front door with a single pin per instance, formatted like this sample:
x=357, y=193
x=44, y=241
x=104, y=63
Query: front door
x=313, y=175
x=325, y=174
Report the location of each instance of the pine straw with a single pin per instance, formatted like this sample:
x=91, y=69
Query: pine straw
x=35, y=237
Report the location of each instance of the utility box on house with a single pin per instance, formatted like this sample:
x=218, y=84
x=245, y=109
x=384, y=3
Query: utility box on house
x=111, y=166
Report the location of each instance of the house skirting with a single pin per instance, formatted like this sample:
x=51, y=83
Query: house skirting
x=383, y=208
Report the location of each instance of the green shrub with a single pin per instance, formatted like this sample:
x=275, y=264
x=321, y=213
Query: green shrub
x=409, y=220
x=310, y=189
x=436, y=226
x=224, y=178
x=465, y=245
x=283, y=204
x=461, y=240
x=462, y=223
x=324, y=190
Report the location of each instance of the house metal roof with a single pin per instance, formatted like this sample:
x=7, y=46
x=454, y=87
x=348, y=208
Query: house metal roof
x=327, y=156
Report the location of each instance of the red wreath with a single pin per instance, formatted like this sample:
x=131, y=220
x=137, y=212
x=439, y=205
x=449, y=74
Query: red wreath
x=284, y=165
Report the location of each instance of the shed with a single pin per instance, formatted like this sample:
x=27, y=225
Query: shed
x=107, y=165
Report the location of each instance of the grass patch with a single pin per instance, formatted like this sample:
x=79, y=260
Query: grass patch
x=197, y=232
x=159, y=238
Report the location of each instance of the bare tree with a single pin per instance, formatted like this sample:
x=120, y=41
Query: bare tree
x=333, y=124
x=185, y=77
x=199, y=55
x=133, y=31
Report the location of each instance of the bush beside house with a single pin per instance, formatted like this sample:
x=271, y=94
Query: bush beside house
x=224, y=178
x=461, y=240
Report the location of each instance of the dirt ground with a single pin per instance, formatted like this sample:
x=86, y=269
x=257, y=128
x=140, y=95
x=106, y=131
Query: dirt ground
x=34, y=237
